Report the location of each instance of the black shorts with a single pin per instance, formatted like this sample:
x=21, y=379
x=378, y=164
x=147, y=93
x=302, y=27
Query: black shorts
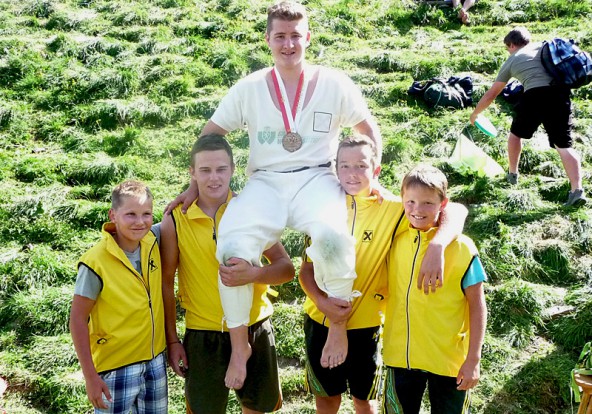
x=361, y=371
x=549, y=106
x=404, y=389
x=208, y=355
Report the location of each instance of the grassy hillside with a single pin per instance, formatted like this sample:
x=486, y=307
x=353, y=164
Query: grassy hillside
x=96, y=91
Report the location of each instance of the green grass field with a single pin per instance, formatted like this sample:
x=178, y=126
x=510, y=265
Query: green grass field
x=96, y=91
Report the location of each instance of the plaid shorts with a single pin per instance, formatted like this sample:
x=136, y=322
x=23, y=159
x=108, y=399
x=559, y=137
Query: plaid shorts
x=138, y=388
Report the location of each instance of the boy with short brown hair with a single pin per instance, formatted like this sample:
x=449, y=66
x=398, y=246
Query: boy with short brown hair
x=117, y=316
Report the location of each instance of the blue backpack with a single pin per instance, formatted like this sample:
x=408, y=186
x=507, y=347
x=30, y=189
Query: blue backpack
x=566, y=62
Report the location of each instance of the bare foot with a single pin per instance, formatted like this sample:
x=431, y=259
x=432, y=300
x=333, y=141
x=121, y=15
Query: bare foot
x=463, y=15
x=241, y=352
x=335, y=349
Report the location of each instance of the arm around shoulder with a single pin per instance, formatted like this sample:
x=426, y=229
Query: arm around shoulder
x=452, y=221
x=369, y=127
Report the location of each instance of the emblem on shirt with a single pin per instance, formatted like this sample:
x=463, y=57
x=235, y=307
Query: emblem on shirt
x=267, y=136
x=367, y=236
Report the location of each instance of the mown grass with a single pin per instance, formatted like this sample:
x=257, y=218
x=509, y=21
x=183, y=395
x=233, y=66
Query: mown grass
x=92, y=93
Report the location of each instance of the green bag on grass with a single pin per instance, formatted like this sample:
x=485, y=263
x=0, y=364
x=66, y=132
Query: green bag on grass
x=583, y=367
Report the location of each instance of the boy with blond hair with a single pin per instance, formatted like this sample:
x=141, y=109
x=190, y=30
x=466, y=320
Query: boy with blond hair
x=434, y=341
x=117, y=316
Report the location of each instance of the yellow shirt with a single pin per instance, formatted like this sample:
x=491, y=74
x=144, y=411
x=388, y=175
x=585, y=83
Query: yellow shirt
x=427, y=332
x=374, y=226
x=127, y=321
x=198, y=271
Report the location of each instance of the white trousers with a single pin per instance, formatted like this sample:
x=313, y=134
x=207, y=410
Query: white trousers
x=310, y=201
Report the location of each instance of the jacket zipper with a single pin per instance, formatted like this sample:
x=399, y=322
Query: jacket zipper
x=354, y=207
x=417, y=241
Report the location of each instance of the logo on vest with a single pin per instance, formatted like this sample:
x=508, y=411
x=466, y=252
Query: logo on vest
x=367, y=237
x=151, y=265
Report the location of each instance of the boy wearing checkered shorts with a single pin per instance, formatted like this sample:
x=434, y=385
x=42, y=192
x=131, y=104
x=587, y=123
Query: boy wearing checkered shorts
x=117, y=316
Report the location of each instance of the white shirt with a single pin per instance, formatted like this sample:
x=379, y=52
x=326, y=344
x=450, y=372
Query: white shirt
x=335, y=103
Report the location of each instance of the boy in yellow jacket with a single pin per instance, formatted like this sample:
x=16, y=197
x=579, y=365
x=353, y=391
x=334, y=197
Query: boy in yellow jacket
x=431, y=340
x=117, y=316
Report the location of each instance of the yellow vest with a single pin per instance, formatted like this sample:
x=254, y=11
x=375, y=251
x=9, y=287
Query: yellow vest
x=198, y=271
x=127, y=321
x=427, y=332
x=373, y=226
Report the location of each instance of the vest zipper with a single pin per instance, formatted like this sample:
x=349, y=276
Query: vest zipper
x=417, y=241
x=150, y=298
x=147, y=289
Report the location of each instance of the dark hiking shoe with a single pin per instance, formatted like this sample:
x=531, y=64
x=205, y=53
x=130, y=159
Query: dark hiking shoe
x=512, y=178
x=576, y=198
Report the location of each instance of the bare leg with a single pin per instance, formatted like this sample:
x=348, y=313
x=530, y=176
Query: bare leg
x=335, y=349
x=241, y=352
x=328, y=405
x=572, y=164
x=514, y=150
x=365, y=406
x=468, y=4
x=463, y=13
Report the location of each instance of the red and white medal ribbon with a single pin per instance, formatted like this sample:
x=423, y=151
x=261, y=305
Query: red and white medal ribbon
x=295, y=111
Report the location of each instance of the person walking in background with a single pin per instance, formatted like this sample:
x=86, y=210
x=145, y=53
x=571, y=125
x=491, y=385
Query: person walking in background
x=433, y=340
x=542, y=103
x=117, y=315
x=189, y=246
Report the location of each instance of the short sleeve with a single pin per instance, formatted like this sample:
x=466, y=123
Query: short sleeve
x=505, y=73
x=88, y=283
x=475, y=274
x=156, y=231
x=354, y=108
x=229, y=114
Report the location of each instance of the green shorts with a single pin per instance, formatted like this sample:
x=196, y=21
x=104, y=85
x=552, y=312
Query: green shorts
x=208, y=355
x=361, y=371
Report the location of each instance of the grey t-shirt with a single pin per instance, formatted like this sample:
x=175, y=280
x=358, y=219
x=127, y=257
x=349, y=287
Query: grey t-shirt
x=89, y=285
x=526, y=66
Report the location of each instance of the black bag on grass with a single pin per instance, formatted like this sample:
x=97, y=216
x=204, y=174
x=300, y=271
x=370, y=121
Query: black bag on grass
x=512, y=92
x=454, y=93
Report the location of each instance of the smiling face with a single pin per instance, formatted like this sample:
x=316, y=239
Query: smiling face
x=422, y=206
x=355, y=169
x=288, y=40
x=212, y=171
x=133, y=219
